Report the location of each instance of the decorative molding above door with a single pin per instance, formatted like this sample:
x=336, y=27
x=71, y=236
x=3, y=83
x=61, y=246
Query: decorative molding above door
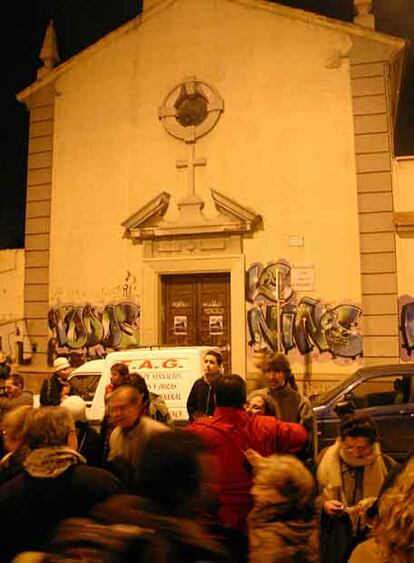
x=192, y=232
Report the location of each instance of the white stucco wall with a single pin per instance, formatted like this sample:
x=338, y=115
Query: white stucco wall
x=11, y=285
x=11, y=300
x=284, y=145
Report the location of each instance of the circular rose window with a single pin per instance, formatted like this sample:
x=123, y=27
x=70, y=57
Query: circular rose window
x=191, y=110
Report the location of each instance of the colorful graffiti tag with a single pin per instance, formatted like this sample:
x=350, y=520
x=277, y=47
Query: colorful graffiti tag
x=407, y=326
x=278, y=321
x=93, y=330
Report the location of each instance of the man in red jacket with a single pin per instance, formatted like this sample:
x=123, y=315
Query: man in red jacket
x=229, y=433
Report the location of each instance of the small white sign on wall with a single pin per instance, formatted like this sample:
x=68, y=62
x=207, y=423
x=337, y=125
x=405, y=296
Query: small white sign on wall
x=302, y=277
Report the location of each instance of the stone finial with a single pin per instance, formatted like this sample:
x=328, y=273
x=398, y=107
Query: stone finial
x=364, y=13
x=49, y=53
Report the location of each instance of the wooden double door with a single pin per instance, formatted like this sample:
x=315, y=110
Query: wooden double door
x=196, y=311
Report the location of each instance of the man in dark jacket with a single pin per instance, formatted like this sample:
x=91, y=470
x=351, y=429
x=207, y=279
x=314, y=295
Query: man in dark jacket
x=56, y=484
x=201, y=400
x=51, y=389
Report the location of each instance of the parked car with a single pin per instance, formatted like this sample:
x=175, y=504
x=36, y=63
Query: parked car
x=385, y=392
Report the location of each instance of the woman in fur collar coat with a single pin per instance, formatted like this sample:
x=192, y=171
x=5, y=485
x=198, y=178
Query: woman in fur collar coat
x=350, y=475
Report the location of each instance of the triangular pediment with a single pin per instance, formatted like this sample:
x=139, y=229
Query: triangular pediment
x=151, y=211
x=149, y=223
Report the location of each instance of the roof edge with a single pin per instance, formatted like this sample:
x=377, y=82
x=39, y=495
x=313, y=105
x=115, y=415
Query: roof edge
x=62, y=68
x=324, y=21
x=284, y=11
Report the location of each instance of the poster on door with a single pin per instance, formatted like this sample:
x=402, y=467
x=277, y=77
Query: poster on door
x=180, y=324
x=216, y=324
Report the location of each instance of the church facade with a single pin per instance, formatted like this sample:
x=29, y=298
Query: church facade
x=218, y=172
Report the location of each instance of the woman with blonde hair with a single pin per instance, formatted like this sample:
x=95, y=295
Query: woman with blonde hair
x=284, y=522
x=392, y=540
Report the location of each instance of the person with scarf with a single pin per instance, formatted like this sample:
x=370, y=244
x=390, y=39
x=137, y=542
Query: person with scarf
x=350, y=475
x=55, y=484
x=54, y=386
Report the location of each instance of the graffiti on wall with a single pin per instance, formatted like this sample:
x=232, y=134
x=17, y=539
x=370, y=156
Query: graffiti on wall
x=407, y=326
x=93, y=331
x=279, y=321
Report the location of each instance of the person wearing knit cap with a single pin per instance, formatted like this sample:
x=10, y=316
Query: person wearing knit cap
x=89, y=441
x=51, y=389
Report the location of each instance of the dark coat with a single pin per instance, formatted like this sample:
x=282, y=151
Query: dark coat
x=32, y=507
x=5, y=370
x=90, y=443
x=12, y=465
x=153, y=535
x=201, y=400
x=50, y=391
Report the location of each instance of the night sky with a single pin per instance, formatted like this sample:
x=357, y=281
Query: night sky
x=79, y=23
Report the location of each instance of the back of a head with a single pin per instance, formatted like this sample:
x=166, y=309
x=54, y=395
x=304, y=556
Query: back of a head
x=230, y=391
x=14, y=421
x=137, y=380
x=170, y=471
x=76, y=406
x=48, y=426
x=358, y=426
x=287, y=477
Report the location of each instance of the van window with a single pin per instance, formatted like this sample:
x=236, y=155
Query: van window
x=85, y=385
x=382, y=391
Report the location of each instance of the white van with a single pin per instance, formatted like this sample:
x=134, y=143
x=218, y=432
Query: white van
x=169, y=372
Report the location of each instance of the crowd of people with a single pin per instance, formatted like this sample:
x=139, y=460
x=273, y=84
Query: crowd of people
x=243, y=481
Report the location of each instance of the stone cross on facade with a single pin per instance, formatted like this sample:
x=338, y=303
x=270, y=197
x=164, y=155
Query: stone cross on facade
x=191, y=164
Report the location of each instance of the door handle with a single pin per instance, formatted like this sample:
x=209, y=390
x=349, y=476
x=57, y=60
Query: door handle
x=412, y=415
